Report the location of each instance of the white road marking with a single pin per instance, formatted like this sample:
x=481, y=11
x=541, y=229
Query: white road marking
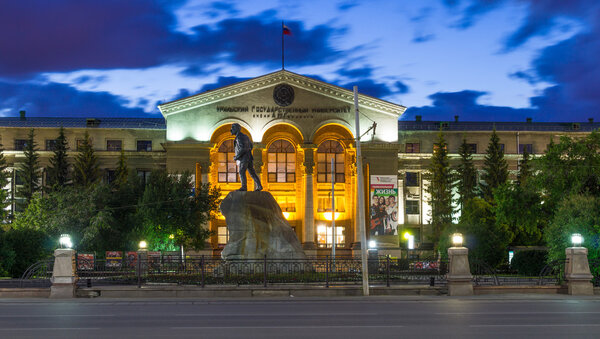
x=281, y=327
x=538, y=325
x=49, y=328
x=512, y=312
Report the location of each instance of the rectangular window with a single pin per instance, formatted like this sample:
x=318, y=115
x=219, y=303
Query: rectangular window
x=324, y=204
x=413, y=147
x=472, y=148
x=114, y=145
x=144, y=145
x=51, y=145
x=412, y=206
x=222, y=235
x=110, y=176
x=412, y=179
x=286, y=203
x=144, y=174
x=523, y=147
x=436, y=146
x=20, y=144
x=324, y=235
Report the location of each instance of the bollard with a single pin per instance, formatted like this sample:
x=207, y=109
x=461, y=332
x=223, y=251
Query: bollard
x=431, y=281
x=202, y=269
x=265, y=271
x=578, y=273
x=387, y=268
x=327, y=272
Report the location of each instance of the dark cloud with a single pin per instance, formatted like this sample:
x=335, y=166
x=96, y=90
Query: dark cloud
x=56, y=99
x=346, y=5
x=67, y=35
x=422, y=37
x=402, y=87
x=363, y=72
x=218, y=8
x=464, y=104
x=522, y=75
x=221, y=82
x=369, y=87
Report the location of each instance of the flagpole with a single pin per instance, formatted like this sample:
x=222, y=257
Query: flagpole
x=282, y=46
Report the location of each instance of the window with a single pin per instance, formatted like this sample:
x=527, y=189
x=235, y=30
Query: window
x=330, y=149
x=523, y=147
x=501, y=147
x=324, y=204
x=20, y=144
x=51, y=145
x=80, y=144
x=413, y=147
x=222, y=235
x=110, y=176
x=412, y=206
x=144, y=174
x=144, y=145
x=281, y=165
x=412, y=179
x=436, y=146
x=227, y=167
x=286, y=203
x=324, y=235
x=472, y=148
x=116, y=145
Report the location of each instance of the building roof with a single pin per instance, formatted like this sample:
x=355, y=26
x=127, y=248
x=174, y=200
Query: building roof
x=499, y=126
x=46, y=122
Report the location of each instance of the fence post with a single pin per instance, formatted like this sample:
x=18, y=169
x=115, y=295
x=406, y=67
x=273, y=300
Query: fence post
x=202, y=269
x=139, y=272
x=265, y=271
x=327, y=271
x=387, y=268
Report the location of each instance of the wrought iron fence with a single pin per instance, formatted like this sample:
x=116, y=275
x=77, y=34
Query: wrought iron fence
x=484, y=275
x=204, y=270
x=38, y=274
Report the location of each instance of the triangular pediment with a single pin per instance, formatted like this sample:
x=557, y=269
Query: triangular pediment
x=270, y=80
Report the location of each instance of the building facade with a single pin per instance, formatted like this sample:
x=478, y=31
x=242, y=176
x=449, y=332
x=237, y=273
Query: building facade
x=303, y=132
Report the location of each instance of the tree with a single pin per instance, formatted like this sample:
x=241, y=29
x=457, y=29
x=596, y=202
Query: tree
x=86, y=170
x=495, y=168
x=524, y=169
x=486, y=240
x=58, y=172
x=440, y=187
x=4, y=194
x=466, y=182
x=29, y=170
x=577, y=213
x=519, y=209
x=122, y=172
x=571, y=166
x=170, y=215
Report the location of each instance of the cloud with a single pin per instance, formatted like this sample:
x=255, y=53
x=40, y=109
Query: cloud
x=363, y=72
x=346, y=5
x=446, y=105
x=54, y=99
x=217, y=8
x=221, y=82
x=401, y=87
x=68, y=35
x=422, y=37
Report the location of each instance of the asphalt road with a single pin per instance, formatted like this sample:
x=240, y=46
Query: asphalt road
x=375, y=317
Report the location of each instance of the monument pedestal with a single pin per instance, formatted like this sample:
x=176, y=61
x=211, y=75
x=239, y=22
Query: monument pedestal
x=459, y=275
x=63, y=274
x=577, y=272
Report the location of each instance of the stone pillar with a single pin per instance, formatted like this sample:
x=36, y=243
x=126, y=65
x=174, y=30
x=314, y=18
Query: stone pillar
x=63, y=274
x=459, y=275
x=309, y=211
x=577, y=271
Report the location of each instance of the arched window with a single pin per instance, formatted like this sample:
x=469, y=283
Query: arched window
x=228, y=170
x=330, y=149
x=281, y=162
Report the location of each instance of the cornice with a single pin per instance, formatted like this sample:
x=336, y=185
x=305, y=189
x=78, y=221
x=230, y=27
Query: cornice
x=273, y=79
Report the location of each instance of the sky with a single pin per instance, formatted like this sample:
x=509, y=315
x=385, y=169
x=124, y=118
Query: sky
x=483, y=60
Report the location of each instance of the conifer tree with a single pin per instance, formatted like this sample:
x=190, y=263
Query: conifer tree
x=122, y=172
x=440, y=188
x=466, y=175
x=29, y=170
x=524, y=169
x=58, y=172
x=495, y=168
x=4, y=194
x=86, y=172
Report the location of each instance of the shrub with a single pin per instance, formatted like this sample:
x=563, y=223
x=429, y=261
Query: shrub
x=28, y=246
x=529, y=262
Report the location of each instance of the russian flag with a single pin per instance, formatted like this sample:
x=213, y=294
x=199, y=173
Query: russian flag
x=286, y=30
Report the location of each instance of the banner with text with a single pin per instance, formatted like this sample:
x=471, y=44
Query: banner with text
x=383, y=226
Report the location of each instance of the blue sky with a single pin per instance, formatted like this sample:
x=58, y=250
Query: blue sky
x=484, y=60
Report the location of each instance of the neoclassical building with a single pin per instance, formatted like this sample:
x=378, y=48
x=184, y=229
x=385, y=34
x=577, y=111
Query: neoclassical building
x=298, y=125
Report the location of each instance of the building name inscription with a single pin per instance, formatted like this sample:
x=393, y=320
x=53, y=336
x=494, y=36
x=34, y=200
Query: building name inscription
x=275, y=110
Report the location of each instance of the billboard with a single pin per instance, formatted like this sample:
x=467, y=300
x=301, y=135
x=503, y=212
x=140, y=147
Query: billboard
x=114, y=259
x=383, y=210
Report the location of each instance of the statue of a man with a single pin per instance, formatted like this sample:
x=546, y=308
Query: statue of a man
x=243, y=156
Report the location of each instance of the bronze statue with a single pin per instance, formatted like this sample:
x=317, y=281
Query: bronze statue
x=243, y=156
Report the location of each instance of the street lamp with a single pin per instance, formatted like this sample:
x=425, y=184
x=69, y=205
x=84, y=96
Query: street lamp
x=65, y=241
x=457, y=239
x=576, y=239
x=143, y=245
x=372, y=244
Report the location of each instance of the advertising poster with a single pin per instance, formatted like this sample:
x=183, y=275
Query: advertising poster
x=85, y=261
x=383, y=210
x=114, y=259
x=132, y=259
